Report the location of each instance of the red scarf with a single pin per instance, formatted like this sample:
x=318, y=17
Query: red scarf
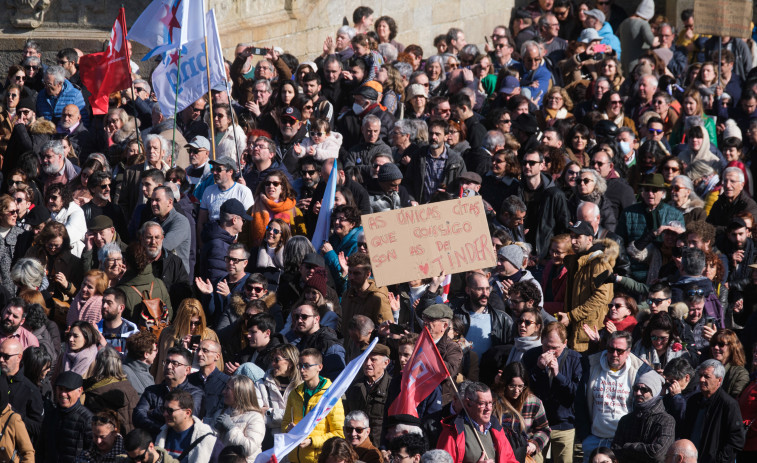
x=627, y=324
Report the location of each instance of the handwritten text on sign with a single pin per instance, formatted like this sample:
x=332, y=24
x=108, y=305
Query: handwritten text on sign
x=425, y=241
x=728, y=18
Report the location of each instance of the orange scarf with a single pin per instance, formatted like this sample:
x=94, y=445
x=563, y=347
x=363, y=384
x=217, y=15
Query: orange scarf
x=266, y=209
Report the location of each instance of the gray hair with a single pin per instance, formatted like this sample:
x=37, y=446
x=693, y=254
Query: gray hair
x=513, y=204
x=699, y=169
x=176, y=194
x=410, y=429
x=143, y=83
x=148, y=225
x=106, y=251
x=388, y=51
x=595, y=211
x=600, y=184
x=678, y=369
x=296, y=249
x=528, y=44
x=405, y=69
x=735, y=170
x=31, y=61
x=436, y=456
x=438, y=59
x=333, y=59
x=620, y=334
x=627, y=130
x=717, y=368
x=493, y=139
x=167, y=190
x=265, y=82
x=650, y=76
x=56, y=71
x=421, y=130
x=371, y=119
x=357, y=415
x=237, y=246
x=688, y=184
x=56, y=146
x=405, y=127
x=693, y=261
x=107, y=364
x=33, y=44
x=154, y=136
x=348, y=31
x=470, y=50
x=28, y=273
x=474, y=388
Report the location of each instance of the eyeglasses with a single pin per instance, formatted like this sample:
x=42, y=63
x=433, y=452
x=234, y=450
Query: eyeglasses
x=170, y=410
x=13, y=95
x=301, y=316
x=140, y=90
x=140, y=458
x=7, y=357
x=217, y=169
x=656, y=301
x=31, y=67
x=233, y=260
x=650, y=189
x=531, y=163
x=104, y=186
x=19, y=77
x=505, y=121
x=573, y=173
x=174, y=363
x=219, y=116
x=642, y=389
x=19, y=200
x=526, y=322
x=612, y=306
x=516, y=387
x=271, y=183
x=659, y=338
x=349, y=429
x=586, y=181
x=597, y=163
x=396, y=457
x=613, y=350
x=695, y=292
x=101, y=420
x=306, y=366
x=483, y=404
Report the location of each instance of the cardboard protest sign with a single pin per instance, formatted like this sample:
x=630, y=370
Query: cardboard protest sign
x=726, y=18
x=425, y=241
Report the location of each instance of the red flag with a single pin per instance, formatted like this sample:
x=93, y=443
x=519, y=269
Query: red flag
x=108, y=71
x=423, y=373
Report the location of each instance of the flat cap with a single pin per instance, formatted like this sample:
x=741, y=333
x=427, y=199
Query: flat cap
x=437, y=311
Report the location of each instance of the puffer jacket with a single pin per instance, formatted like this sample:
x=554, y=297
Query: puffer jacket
x=588, y=290
x=202, y=451
x=452, y=440
x=51, y=108
x=248, y=432
x=269, y=396
x=330, y=426
x=645, y=434
x=15, y=441
x=68, y=431
x=636, y=220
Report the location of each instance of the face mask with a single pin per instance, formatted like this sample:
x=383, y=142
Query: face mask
x=625, y=147
x=357, y=109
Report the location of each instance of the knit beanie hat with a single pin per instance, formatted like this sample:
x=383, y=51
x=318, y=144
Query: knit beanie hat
x=318, y=281
x=513, y=254
x=645, y=9
x=26, y=102
x=732, y=130
x=389, y=172
x=652, y=380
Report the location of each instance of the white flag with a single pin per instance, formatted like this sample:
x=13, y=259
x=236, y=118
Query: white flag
x=166, y=24
x=192, y=78
x=286, y=442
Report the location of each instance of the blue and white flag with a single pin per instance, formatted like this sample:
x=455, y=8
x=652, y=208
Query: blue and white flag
x=322, y=227
x=166, y=24
x=284, y=443
x=193, y=81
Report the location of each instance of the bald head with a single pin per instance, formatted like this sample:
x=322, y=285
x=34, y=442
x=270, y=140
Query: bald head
x=682, y=451
x=70, y=116
x=589, y=212
x=10, y=356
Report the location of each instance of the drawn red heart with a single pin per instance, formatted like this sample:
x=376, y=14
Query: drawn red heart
x=423, y=268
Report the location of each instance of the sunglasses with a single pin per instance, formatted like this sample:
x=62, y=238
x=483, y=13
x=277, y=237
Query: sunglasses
x=611, y=350
x=586, y=181
x=645, y=189
x=319, y=134
x=307, y=173
x=531, y=163
x=349, y=429
x=720, y=344
x=275, y=231
x=271, y=183
x=233, y=260
x=695, y=292
x=657, y=131
x=140, y=458
x=659, y=338
x=7, y=357
x=612, y=306
x=526, y=322
x=655, y=301
x=255, y=289
x=642, y=389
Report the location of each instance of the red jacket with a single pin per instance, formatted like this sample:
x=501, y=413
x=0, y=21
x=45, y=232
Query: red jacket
x=452, y=440
x=558, y=285
x=748, y=406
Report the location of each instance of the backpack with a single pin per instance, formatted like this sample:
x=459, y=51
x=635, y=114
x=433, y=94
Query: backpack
x=153, y=313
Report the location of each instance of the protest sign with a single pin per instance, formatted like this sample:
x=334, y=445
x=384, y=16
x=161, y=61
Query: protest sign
x=726, y=18
x=429, y=240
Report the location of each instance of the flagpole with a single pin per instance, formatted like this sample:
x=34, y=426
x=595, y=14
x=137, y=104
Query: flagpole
x=175, y=103
x=233, y=123
x=140, y=148
x=210, y=100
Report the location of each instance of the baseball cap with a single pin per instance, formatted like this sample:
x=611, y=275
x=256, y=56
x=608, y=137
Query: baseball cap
x=235, y=207
x=582, y=228
x=292, y=112
x=226, y=162
x=199, y=142
x=509, y=86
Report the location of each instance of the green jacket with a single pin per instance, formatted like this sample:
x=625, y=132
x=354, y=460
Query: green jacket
x=142, y=283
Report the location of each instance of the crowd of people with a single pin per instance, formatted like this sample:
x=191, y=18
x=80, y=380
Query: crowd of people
x=162, y=299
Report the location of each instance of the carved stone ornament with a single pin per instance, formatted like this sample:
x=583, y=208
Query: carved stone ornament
x=29, y=14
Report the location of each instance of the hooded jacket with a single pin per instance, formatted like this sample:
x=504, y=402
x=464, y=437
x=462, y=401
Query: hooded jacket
x=330, y=426
x=589, y=290
x=645, y=434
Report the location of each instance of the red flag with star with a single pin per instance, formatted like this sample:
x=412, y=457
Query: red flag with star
x=423, y=373
x=108, y=71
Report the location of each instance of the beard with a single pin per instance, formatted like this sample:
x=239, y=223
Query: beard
x=50, y=169
x=153, y=252
x=8, y=326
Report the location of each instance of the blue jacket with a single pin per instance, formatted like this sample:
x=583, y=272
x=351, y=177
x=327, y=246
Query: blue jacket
x=213, y=388
x=559, y=396
x=636, y=220
x=51, y=108
x=217, y=242
x=542, y=77
x=347, y=245
x=609, y=38
x=148, y=414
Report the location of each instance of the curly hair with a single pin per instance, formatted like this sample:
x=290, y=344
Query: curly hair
x=141, y=343
x=703, y=229
x=351, y=214
x=61, y=190
x=389, y=22
x=713, y=259
x=528, y=291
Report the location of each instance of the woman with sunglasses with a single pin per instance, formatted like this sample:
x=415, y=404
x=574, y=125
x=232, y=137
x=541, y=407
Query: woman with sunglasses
x=520, y=411
x=11, y=97
x=270, y=254
x=569, y=177
x=187, y=330
x=621, y=316
x=726, y=348
x=591, y=187
x=108, y=388
x=23, y=194
x=611, y=108
x=528, y=326
x=683, y=197
x=660, y=343
x=281, y=378
x=275, y=198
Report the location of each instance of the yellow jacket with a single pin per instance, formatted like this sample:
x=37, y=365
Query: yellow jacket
x=330, y=426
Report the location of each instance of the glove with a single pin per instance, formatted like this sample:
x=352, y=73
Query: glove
x=224, y=423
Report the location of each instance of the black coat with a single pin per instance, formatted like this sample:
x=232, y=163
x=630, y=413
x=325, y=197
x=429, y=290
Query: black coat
x=416, y=173
x=148, y=413
x=67, y=432
x=372, y=400
x=724, y=210
x=644, y=435
x=502, y=324
x=723, y=432
x=26, y=399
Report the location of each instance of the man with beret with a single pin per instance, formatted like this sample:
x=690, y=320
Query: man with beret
x=438, y=319
x=366, y=101
x=225, y=187
x=67, y=426
x=646, y=433
x=100, y=232
x=589, y=288
x=386, y=191
x=368, y=391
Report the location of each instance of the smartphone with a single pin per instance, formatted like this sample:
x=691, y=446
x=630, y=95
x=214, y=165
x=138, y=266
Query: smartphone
x=710, y=321
x=600, y=48
x=257, y=51
x=194, y=342
x=396, y=329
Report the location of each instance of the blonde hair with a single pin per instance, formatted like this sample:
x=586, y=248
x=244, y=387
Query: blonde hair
x=189, y=308
x=245, y=398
